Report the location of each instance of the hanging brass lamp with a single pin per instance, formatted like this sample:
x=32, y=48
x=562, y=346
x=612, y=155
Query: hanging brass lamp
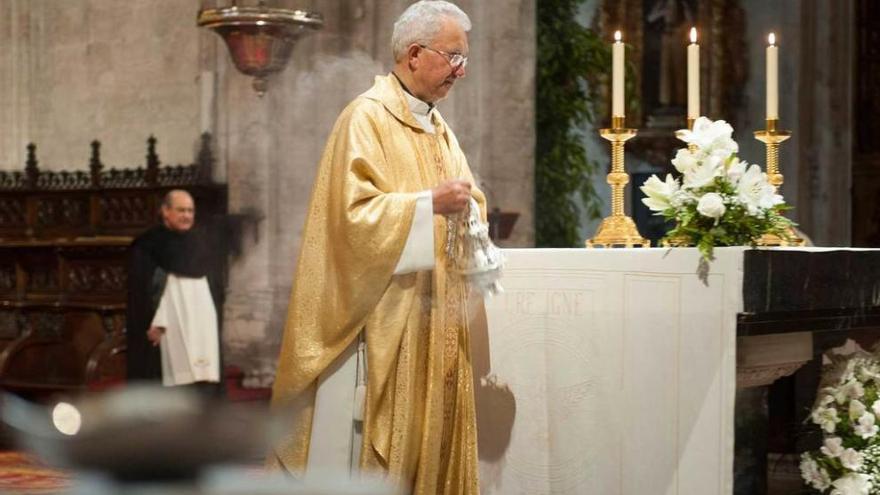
x=260, y=39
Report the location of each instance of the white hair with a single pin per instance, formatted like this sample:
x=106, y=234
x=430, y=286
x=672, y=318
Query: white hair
x=421, y=22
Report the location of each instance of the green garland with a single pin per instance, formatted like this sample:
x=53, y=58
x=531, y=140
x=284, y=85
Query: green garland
x=569, y=55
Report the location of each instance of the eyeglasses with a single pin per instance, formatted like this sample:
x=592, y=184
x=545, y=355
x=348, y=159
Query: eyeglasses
x=455, y=60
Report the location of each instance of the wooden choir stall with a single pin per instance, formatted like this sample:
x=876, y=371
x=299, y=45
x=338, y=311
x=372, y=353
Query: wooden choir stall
x=64, y=239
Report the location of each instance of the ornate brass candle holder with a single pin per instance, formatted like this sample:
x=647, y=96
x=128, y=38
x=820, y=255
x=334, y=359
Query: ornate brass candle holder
x=772, y=137
x=617, y=230
x=260, y=39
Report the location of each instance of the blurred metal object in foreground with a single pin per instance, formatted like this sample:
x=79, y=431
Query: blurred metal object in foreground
x=153, y=439
x=141, y=432
x=260, y=39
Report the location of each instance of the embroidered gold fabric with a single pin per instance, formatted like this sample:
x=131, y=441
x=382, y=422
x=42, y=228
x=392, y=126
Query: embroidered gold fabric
x=419, y=424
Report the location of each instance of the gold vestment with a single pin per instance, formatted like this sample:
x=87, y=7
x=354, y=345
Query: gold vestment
x=419, y=425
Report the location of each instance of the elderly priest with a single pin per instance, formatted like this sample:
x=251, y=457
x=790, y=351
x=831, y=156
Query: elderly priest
x=373, y=275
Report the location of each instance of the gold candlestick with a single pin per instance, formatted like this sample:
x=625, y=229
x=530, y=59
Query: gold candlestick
x=617, y=230
x=772, y=137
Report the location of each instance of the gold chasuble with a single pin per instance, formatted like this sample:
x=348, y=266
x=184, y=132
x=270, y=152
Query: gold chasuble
x=419, y=425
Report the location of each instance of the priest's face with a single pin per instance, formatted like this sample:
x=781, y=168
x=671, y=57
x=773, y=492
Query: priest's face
x=180, y=214
x=438, y=65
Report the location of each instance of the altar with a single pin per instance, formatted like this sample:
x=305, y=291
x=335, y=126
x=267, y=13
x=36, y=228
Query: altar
x=611, y=371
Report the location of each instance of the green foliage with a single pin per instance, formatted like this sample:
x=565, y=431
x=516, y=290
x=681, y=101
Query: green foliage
x=570, y=56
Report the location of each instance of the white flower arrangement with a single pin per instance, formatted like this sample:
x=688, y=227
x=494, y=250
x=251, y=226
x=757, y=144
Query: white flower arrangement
x=846, y=410
x=718, y=200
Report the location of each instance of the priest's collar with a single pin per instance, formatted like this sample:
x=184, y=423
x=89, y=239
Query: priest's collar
x=388, y=91
x=416, y=105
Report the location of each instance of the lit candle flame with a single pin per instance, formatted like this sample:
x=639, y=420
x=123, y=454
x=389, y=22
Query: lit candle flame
x=617, y=36
x=693, y=35
x=772, y=39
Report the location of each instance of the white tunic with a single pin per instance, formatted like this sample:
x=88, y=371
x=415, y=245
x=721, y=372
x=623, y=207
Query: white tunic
x=190, y=348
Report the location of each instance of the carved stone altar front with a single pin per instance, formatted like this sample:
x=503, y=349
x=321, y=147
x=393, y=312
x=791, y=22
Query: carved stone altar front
x=597, y=359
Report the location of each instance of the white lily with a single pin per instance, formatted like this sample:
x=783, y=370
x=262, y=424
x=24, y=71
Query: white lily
x=705, y=173
x=856, y=409
x=814, y=475
x=851, y=459
x=833, y=447
x=828, y=398
x=711, y=137
x=852, y=389
x=755, y=192
x=659, y=193
x=852, y=484
x=866, y=427
x=684, y=160
x=826, y=418
x=735, y=169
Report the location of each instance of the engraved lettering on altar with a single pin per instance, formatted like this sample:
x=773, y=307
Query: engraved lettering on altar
x=547, y=303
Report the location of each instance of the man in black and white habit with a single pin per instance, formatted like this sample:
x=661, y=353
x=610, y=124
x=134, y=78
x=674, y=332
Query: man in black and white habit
x=171, y=318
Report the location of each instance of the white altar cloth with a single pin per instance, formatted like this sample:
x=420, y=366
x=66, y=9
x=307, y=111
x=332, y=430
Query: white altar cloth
x=609, y=372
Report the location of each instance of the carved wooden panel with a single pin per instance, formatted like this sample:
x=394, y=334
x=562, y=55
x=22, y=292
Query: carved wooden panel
x=127, y=209
x=11, y=324
x=8, y=276
x=99, y=202
x=13, y=212
x=63, y=180
x=96, y=278
x=41, y=274
x=47, y=325
x=71, y=212
x=46, y=351
x=95, y=272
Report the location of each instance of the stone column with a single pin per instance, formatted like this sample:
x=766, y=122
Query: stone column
x=825, y=121
x=244, y=142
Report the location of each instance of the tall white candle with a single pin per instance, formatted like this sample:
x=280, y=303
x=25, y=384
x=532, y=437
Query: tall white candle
x=772, y=78
x=693, y=68
x=617, y=91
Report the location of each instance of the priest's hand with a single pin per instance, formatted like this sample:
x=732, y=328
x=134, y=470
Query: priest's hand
x=451, y=197
x=154, y=335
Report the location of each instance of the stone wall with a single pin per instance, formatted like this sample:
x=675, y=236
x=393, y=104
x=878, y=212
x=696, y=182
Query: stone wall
x=79, y=70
